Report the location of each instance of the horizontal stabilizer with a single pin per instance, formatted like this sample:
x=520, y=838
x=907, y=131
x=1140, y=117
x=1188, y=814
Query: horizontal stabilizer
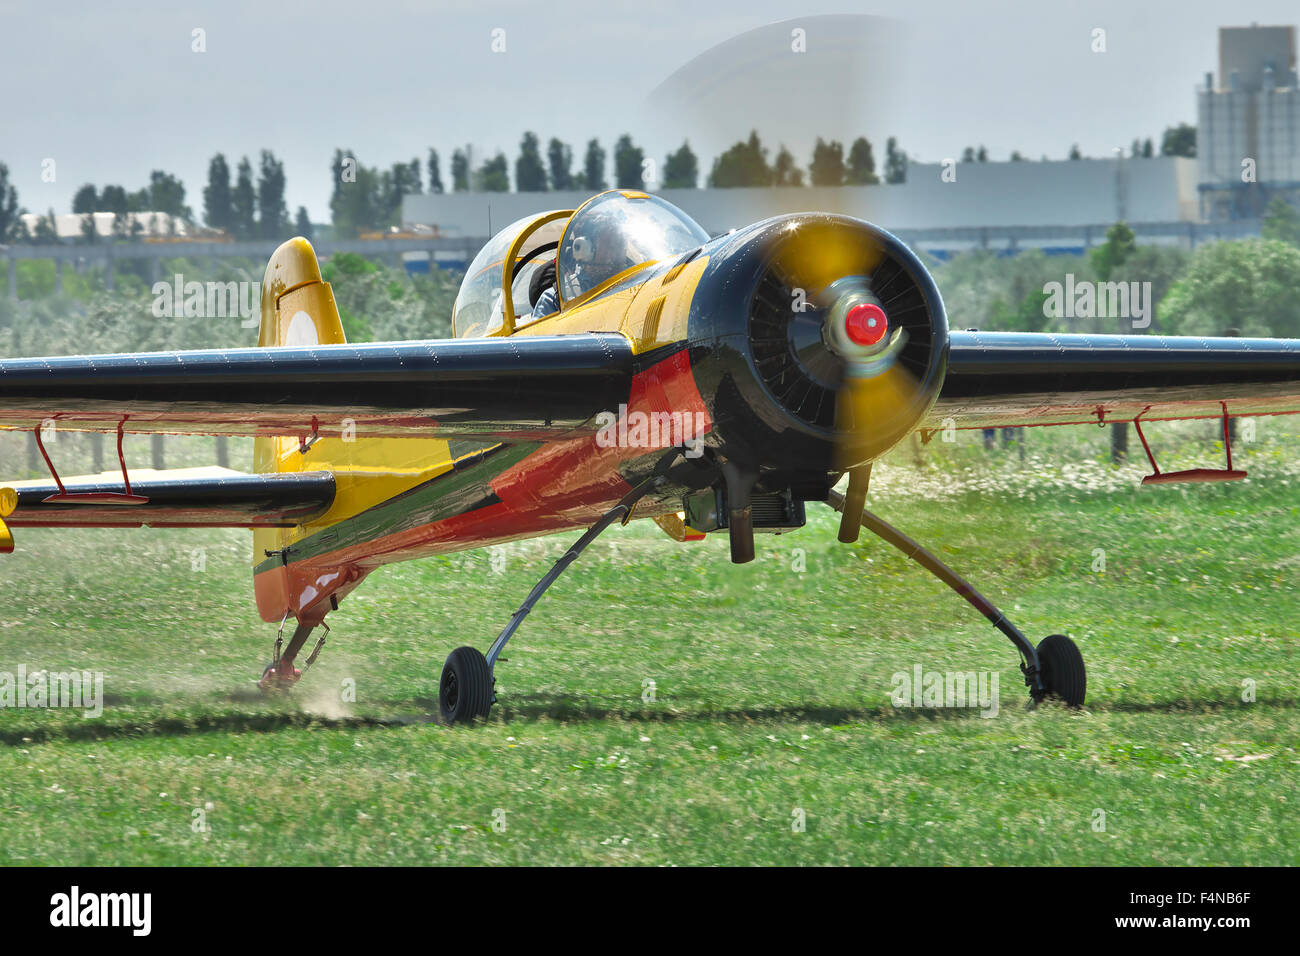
x=181, y=498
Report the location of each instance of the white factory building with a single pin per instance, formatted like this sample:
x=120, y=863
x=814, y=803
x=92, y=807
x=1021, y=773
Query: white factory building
x=1028, y=204
x=71, y=225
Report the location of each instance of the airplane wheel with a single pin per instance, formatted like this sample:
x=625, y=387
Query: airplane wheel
x=465, y=692
x=1062, y=669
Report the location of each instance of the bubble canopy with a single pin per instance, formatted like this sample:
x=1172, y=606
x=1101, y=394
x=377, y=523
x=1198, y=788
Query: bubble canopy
x=480, y=303
x=617, y=231
x=613, y=233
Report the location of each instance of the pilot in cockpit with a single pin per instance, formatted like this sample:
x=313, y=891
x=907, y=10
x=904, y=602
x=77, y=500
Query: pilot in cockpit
x=542, y=293
x=598, y=253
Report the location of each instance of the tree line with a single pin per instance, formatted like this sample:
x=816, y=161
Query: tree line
x=247, y=209
x=251, y=203
x=370, y=197
x=1177, y=140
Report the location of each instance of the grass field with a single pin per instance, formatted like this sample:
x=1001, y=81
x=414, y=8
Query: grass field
x=770, y=699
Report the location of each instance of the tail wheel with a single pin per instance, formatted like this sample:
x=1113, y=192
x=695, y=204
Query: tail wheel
x=272, y=683
x=465, y=691
x=1061, y=667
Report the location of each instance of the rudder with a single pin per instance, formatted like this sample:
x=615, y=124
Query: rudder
x=298, y=307
x=298, y=310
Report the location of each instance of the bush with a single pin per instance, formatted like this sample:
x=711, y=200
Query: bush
x=1248, y=284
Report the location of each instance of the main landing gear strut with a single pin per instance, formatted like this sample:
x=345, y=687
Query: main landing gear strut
x=465, y=692
x=1053, y=668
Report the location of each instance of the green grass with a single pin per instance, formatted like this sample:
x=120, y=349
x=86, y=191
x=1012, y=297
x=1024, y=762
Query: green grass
x=771, y=689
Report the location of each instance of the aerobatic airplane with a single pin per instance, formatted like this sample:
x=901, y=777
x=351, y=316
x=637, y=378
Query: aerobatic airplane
x=608, y=363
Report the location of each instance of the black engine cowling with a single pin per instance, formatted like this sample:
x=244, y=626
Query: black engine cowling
x=774, y=364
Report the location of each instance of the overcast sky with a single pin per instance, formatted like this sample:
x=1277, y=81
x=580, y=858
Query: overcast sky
x=111, y=90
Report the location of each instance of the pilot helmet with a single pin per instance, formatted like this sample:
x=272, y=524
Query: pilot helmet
x=601, y=241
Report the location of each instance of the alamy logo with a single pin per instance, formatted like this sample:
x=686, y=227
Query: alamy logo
x=639, y=429
x=75, y=908
x=67, y=689
x=1099, y=300
x=179, y=299
x=922, y=688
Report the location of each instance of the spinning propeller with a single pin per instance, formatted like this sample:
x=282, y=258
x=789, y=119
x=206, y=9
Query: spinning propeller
x=854, y=348
x=846, y=329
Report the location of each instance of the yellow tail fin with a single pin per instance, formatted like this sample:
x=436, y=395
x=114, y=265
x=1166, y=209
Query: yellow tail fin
x=297, y=304
x=298, y=309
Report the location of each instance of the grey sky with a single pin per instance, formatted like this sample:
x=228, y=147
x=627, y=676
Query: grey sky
x=111, y=90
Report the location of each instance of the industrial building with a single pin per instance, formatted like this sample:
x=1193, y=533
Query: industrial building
x=1248, y=133
x=72, y=226
x=1060, y=206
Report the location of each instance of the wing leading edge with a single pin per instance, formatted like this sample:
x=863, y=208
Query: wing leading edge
x=540, y=388
x=998, y=379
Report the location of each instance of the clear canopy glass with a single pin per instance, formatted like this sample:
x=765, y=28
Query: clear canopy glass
x=617, y=230
x=479, y=308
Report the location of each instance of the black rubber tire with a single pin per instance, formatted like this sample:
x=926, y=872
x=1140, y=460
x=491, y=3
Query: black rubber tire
x=465, y=690
x=1062, y=669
